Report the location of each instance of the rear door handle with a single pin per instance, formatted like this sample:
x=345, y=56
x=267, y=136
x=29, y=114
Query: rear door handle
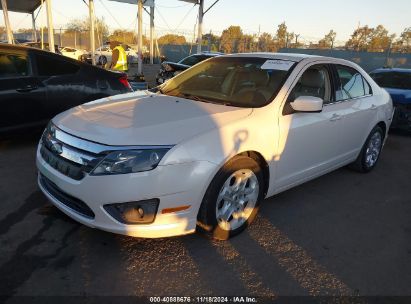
x=335, y=117
x=27, y=88
x=373, y=107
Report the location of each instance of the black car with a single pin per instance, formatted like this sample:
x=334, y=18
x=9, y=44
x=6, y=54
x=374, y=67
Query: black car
x=36, y=85
x=170, y=69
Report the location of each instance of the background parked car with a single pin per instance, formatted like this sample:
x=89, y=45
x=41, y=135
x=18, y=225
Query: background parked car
x=17, y=41
x=170, y=69
x=398, y=83
x=72, y=52
x=103, y=55
x=36, y=85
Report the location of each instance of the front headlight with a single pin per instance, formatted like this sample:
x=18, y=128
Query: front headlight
x=129, y=161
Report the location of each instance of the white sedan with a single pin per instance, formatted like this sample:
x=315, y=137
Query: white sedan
x=72, y=52
x=208, y=146
x=103, y=55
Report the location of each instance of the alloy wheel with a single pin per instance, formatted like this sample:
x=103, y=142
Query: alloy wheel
x=373, y=149
x=237, y=198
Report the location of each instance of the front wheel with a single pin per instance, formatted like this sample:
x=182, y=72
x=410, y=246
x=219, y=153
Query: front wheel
x=370, y=152
x=232, y=198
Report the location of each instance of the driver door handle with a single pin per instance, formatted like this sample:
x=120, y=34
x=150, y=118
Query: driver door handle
x=335, y=117
x=27, y=88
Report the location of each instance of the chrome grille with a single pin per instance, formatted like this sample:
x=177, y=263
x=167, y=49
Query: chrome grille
x=65, y=158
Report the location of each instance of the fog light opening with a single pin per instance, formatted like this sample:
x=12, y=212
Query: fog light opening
x=141, y=212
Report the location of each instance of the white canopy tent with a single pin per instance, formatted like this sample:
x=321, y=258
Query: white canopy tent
x=19, y=6
x=28, y=7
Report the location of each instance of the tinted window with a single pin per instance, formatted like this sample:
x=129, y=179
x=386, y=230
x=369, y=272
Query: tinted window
x=315, y=81
x=47, y=66
x=192, y=60
x=393, y=80
x=351, y=84
x=13, y=65
x=367, y=87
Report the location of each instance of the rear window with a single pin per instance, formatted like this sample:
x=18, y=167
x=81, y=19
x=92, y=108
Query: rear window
x=192, y=60
x=394, y=80
x=351, y=84
x=47, y=66
x=13, y=65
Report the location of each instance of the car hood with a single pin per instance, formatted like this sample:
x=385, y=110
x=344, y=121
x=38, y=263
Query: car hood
x=399, y=95
x=142, y=118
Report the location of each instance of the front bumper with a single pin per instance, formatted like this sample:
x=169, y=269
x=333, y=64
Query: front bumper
x=402, y=117
x=173, y=185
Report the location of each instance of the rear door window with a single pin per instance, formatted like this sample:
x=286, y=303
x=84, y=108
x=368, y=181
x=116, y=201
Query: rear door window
x=350, y=84
x=13, y=65
x=48, y=66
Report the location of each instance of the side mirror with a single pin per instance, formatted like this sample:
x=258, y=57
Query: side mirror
x=307, y=104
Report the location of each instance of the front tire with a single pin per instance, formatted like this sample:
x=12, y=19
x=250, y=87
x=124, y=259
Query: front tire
x=370, y=152
x=232, y=199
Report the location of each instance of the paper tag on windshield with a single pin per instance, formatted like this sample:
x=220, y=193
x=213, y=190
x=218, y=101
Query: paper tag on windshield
x=282, y=65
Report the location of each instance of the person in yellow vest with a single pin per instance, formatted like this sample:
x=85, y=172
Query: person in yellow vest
x=118, y=57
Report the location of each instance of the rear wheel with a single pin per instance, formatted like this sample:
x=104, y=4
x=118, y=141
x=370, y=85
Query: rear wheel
x=102, y=60
x=370, y=152
x=232, y=199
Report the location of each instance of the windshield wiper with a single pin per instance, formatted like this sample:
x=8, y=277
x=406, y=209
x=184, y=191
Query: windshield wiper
x=198, y=98
x=193, y=97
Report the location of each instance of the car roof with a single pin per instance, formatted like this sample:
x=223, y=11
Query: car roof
x=209, y=54
x=18, y=48
x=387, y=70
x=13, y=47
x=296, y=57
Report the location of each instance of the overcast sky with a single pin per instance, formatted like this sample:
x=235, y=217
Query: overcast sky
x=309, y=18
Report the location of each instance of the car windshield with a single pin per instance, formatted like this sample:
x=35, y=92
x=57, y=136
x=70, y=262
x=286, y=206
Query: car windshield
x=236, y=81
x=395, y=80
x=191, y=60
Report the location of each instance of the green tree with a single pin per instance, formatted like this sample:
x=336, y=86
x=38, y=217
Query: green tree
x=83, y=25
x=403, y=44
x=281, y=36
x=212, y=40
x=172, y=39
x=266, y=43
x=245, y=43
x=230, y=39
x=380, y=40
x=360, y=39
x=328, y=41
x=127, y=37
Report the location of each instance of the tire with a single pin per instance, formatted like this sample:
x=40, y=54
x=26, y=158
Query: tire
x=102, y=60
x=370, y=152
x=222, y=198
